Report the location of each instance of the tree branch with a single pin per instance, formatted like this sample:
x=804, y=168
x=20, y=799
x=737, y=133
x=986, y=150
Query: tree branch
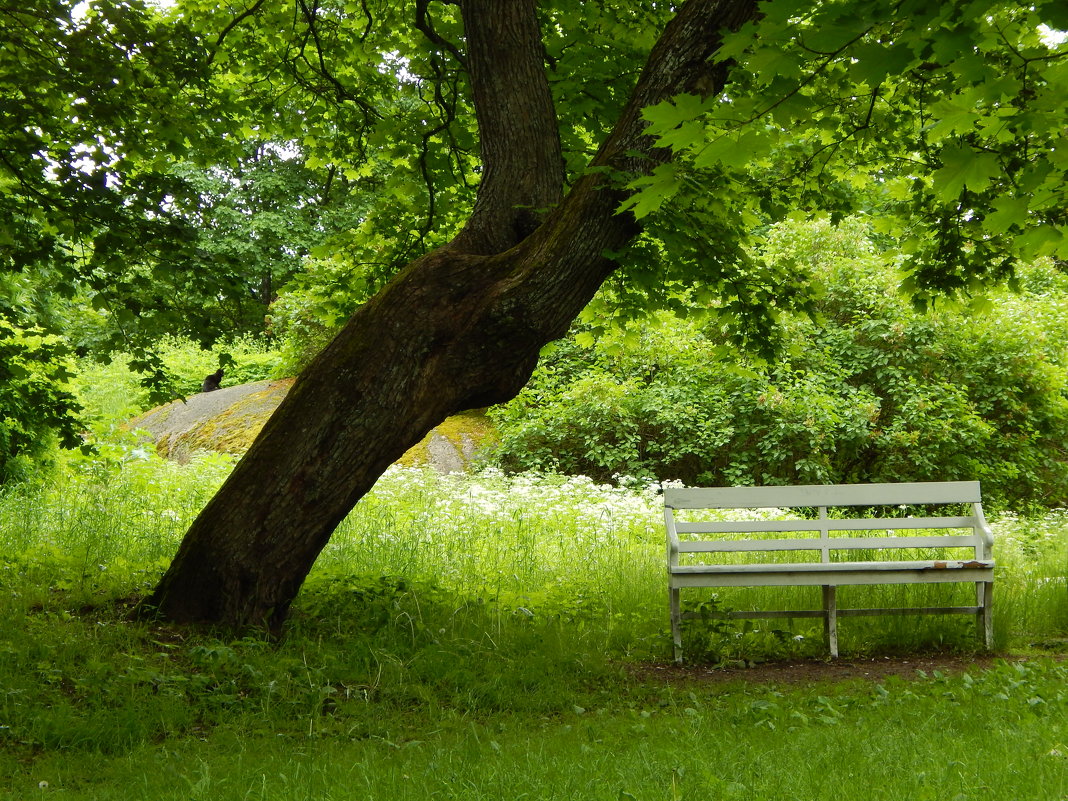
x=233, y=24
x=341, y=92
x=522, y=159
x=426, y=27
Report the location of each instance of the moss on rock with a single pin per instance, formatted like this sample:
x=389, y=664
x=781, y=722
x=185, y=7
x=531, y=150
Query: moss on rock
x=225, y=420
x=229, y=419
x=455, y=444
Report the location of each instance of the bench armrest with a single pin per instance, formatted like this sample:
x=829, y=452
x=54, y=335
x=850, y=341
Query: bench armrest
x=672, y=536
x=984, y=529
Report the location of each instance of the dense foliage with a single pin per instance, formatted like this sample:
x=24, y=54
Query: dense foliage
x=950, y=114
x=37, y=408
x=869, y=390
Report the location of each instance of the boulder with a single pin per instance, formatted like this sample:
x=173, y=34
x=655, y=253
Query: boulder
x=228, y=420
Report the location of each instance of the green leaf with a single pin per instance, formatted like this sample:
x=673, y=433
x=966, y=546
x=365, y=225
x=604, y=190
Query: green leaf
x=735, y=150
x=1008, y=211
x=653, y=191
x=874, y=62
x=585, y=339
x=769, y=63
x=828, y=39
x=954, y=117
x=963, y=168
x=670, y=114
x=734, y=44
x=1041, y=240
x=683, y=137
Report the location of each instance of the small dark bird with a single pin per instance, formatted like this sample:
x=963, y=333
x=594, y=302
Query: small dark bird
x=211, y=383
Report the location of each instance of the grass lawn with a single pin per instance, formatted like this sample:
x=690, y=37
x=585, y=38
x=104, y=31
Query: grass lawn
x=497, y=638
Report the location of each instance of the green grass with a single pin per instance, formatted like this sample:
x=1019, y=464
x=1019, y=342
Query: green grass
x=475, y=638
x=872, y=742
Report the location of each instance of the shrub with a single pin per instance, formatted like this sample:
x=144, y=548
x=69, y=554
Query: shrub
x=245, y=359
x=37, y=409
x=873, y=391
x=113, y=393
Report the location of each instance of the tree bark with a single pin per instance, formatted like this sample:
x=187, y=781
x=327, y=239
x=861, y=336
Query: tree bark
x=459, y=328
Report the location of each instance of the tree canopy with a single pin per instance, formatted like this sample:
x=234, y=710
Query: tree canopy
x=137, y=140
x=948, y=116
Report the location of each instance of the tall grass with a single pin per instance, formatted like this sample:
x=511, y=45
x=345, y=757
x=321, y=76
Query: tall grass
x=108, y=523
x=585, y=559
x=530, y=548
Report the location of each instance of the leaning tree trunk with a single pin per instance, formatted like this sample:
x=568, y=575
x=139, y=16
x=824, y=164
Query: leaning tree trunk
x=458, y=328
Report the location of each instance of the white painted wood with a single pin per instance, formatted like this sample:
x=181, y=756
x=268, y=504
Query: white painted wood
x=837, y=544
x=817, y=577
x=924, y=565
x=830, y=618
x=941, y=492
x=840, y=524
x=984, y=619
x=676, y=616
x=828, y=546
x=803, y=613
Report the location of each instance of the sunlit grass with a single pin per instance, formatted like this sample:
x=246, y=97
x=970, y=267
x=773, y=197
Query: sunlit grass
x=525, y=550
x=469, y=637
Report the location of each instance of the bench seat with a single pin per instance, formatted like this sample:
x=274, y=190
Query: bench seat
x=979, y=570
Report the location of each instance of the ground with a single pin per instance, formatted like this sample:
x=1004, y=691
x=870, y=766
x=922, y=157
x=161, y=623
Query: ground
x=812, y=672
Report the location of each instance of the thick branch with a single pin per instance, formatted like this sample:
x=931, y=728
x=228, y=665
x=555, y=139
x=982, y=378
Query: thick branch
x=566, y=255
x=680, y=62
x=522, y=162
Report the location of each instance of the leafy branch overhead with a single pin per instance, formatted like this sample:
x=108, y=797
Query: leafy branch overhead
x=949, y=116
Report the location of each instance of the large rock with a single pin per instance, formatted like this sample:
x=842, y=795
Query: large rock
x=225, y=420
x=229, y=419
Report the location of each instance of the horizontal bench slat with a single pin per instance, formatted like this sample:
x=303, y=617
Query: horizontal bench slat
x=837, y=524
x=724, y=546
x=744, y=526
x=829, y=578
x=940, y=492
x=832, y=543
x=830, y=567
x=791, y=613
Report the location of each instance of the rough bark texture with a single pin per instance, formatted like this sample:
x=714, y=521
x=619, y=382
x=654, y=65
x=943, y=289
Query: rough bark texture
x=522, y=162
x=459, y=328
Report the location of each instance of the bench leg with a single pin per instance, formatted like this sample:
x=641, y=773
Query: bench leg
x=984, y=619
x=830, y=618
x=676, y=623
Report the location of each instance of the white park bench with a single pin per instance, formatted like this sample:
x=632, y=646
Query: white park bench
x=841, y=549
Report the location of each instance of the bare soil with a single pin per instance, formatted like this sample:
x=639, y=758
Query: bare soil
x=823, y=672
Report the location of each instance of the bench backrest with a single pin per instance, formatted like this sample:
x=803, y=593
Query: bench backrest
x=823, y=497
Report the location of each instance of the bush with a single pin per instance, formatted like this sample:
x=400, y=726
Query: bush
x=245, y=359
x=37, y=409
x=872, y=392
